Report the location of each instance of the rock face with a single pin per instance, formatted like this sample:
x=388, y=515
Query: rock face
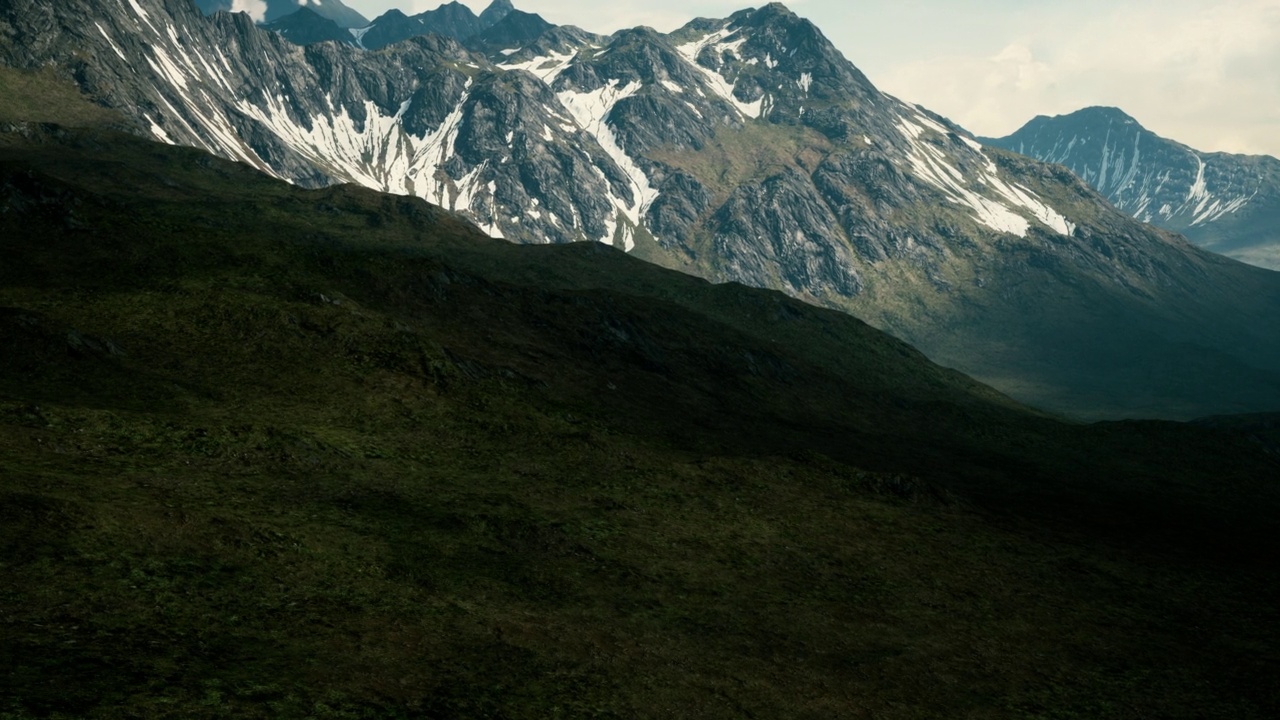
x=271, y=10
x=1227, y=203
x=745, y=149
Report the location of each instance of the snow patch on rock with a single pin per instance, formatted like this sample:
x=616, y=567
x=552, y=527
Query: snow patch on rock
x=1012, y=202
x=590, y=111
x=716, y=82
x=544, y=67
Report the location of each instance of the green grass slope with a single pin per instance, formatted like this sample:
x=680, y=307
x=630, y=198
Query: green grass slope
x=267, y=452
x=47, y=98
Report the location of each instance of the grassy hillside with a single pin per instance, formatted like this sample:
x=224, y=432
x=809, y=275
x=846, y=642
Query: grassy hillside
x=267, y=452
x=45, y=97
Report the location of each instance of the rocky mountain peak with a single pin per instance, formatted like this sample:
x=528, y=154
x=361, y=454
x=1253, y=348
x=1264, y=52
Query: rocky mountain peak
x=773, y=10
x=497, y=10
x=513, y=29
x=390, y=15
x=1098, y=118
x=1094, y=113
x=456, y=21
x=453, y=8
x=1229, y=203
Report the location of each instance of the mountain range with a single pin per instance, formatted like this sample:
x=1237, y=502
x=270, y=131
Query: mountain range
x=1226, y=203
x=272, y=452
x=500, y=24
x=745, y=149
x=453, y=20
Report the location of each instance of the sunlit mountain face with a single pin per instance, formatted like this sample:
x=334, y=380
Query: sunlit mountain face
x=744, y=149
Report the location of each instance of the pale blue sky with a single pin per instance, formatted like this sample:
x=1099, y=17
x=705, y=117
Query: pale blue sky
x=1203, y=72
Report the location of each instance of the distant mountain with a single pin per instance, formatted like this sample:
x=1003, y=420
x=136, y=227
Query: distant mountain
x=515, y=29
x=390, y=27
x=495, y=12
x=1226, y=203
x=745, y=149
x=275, y=9
x=452, y=20
x=306, y=26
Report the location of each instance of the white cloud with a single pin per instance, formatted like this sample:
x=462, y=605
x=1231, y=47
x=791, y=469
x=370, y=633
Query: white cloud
x=257, y=9
x=1196, y=72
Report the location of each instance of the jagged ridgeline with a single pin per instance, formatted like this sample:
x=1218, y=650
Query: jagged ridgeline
x=1223, y=202
x=745, y=149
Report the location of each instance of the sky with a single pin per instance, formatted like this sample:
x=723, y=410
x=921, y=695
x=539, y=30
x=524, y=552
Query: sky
x=1203, y=72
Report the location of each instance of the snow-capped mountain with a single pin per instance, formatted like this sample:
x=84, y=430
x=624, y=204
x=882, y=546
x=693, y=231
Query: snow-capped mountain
x=271, y=10
x=1226, y=203
x=741, y=149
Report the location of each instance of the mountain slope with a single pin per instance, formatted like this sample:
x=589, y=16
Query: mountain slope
x=743, y=149
x=276, y=452
x=273, y=10
x=1229, y=204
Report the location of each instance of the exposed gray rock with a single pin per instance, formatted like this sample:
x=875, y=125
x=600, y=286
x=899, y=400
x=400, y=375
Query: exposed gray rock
x=781, y=230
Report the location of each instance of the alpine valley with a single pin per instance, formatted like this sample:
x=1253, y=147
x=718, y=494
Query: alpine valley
x=745, y=149
x=1226, y=203
x=274, y=445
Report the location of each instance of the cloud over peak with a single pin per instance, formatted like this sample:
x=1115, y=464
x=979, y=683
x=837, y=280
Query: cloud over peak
x=257, y=9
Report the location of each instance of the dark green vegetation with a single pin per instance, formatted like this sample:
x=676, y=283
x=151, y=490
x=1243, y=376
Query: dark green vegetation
x=267, y=452
x=44, y=97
